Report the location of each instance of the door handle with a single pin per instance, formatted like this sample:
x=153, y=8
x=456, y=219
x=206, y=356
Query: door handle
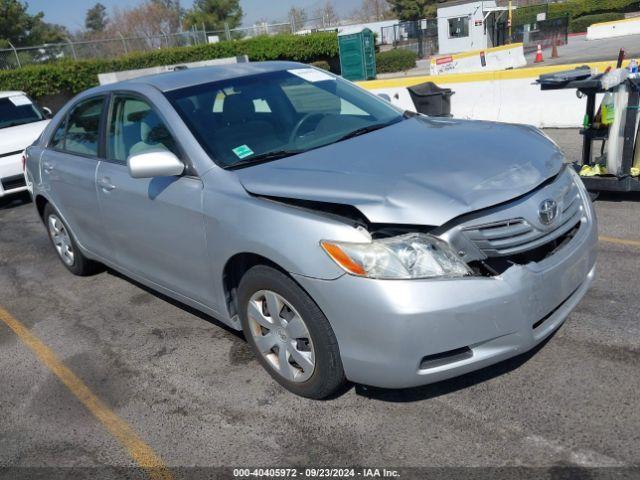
x=47, y=167
x=105, y=184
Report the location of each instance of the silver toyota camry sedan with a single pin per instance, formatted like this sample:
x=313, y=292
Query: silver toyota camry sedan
x=349, y=240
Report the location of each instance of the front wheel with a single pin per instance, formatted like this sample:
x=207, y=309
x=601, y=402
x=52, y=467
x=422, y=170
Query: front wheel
x=291, y=337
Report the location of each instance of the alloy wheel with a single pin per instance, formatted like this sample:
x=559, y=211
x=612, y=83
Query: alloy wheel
x=61, y=239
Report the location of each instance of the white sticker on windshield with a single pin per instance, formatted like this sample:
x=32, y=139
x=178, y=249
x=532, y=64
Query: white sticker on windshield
x=20, y=100
x=311, y=75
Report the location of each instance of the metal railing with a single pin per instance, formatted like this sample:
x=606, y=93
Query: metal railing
x=546, y=33
x=419, y=36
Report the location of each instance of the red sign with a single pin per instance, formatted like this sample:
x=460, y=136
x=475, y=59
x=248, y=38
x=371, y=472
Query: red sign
x=443, y=60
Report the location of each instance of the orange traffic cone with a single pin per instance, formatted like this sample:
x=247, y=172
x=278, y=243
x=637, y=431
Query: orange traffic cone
x=554, y=52
x=539, y=58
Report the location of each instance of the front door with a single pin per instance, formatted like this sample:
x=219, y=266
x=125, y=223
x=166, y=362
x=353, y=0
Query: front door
x=155, y=225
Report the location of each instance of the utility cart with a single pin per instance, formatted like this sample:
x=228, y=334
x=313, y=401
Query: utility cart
x=614, y=167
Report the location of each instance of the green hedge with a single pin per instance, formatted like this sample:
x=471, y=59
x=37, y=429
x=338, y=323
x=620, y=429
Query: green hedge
x=575, y=9
x=323, y=64
x=581, y=24
x=395, y=61
x=73, y=77
x=578, y=8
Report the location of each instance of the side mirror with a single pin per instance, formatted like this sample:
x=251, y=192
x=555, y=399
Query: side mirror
x=384, y=96
x=47, y=112
x=154, y=163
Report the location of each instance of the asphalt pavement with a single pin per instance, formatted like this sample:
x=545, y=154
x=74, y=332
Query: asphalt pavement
x=191, y=390
x=579, y=49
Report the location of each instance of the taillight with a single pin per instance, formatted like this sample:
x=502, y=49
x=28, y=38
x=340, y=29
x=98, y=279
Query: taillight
x=24, y=162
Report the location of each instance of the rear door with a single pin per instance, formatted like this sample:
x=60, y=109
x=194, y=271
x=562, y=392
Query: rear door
x=69, y=167
x=155, y=225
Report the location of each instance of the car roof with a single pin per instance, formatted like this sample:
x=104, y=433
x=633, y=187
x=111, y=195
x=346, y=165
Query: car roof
x=177, y=79
x=11, y=93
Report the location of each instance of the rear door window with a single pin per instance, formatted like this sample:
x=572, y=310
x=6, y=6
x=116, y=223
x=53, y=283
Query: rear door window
x=57, y=140
x=82, y=135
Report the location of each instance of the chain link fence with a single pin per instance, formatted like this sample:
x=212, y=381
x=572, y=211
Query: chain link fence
x=118, y=45
x=12, y=57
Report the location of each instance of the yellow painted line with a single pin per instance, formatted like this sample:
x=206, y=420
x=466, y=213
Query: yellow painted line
x=144, y=456
x=473, y=53
x=516, y=74
x=615, y=22
x=620, y=241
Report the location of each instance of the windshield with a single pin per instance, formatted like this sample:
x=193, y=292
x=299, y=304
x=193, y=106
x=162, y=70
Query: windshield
x=18, y=110
x=272, y=115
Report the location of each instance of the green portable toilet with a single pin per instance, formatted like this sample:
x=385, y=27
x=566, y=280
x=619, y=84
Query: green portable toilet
x=357, y=54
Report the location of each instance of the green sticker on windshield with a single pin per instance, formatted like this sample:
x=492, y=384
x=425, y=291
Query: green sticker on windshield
x=242, y=151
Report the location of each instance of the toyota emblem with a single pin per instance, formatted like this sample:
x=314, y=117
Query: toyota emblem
x=548, y=211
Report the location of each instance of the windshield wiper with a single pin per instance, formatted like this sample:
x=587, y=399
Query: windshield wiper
x=265, y=157
x=363, y=130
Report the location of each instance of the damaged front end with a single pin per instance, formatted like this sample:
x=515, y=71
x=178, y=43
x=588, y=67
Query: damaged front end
x=482, y=243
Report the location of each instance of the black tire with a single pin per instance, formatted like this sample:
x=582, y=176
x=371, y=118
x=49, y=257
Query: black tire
x=81, y=266
x=328, y=375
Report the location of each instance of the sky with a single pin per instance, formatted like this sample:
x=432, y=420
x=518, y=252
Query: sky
x=70, y=13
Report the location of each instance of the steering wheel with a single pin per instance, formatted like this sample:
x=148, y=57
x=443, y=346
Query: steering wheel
x=301, y=122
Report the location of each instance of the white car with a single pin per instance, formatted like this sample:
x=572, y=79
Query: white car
x=21, y=122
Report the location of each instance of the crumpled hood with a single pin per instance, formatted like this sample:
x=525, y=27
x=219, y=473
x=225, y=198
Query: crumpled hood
x=421, y=171
x=19, y=137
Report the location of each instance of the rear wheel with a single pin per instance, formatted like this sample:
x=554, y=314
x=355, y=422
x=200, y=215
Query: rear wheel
x=291, y=337
x=66, y=246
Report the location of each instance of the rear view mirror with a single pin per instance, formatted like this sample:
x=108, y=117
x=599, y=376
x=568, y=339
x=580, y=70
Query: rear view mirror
x=154, y=163
x=47, y=112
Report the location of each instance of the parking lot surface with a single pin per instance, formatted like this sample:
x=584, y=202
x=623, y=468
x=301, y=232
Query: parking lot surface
x=579, y=49
x=193, y=393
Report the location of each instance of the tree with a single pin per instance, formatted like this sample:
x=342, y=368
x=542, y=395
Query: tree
x=374, y=11
x=44, y=32
x=213, y=14
x=327, y=15
x=297, y=17
x=22, y=29
x=148, y=20
x=413, y=9
x=96, y=18
x=171, y=5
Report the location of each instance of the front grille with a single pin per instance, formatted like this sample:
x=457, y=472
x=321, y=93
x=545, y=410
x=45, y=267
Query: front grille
x=16, y=181
x=516, y=236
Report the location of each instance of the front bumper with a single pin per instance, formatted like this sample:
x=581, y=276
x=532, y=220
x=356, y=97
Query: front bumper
x=393, y=333
x=11, y=177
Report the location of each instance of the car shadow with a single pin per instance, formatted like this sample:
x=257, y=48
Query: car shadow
x=405, y=395
x=177, y=304
x=239, y=335
x=14, y=200
x=452, y=385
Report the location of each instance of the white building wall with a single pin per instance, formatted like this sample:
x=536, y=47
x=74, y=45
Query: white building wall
x=477, y=38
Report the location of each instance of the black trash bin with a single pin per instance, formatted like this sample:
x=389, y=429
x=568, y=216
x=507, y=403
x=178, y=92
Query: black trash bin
x=431, y=99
